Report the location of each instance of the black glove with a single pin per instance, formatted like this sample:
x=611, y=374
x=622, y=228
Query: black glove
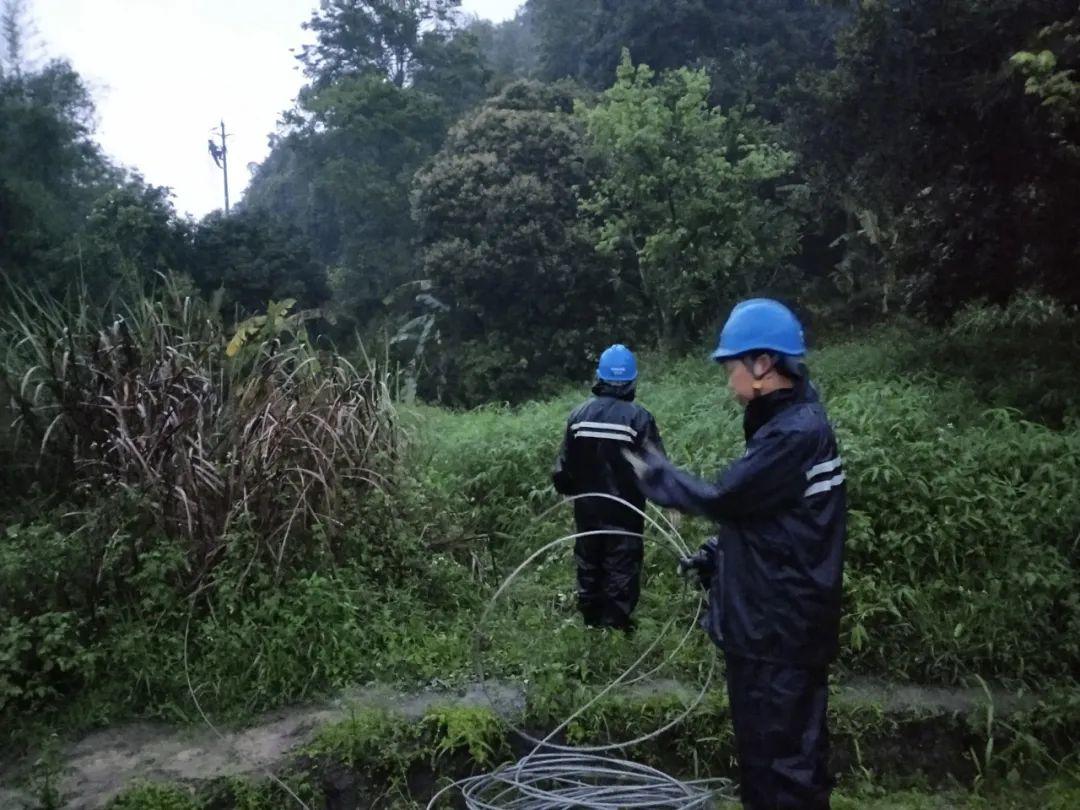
x=701, y=564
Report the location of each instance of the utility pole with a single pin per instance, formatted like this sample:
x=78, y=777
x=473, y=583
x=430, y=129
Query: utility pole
x=220, y=154
x=225, y=165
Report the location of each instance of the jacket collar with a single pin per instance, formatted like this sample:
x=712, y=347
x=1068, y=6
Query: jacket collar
x=624, y=391
x=760, y=411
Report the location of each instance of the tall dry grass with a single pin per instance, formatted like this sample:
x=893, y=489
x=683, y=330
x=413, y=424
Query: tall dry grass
x=203, y=432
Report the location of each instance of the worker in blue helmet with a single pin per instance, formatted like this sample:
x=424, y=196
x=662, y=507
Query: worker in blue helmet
x=590, y=461
x=775, y=569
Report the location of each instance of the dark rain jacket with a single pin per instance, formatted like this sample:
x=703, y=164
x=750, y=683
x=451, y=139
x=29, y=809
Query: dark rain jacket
x=776, y=566
x=591, y=460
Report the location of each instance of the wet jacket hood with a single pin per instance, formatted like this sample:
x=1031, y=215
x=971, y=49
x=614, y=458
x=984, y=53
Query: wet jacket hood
x=625, y=391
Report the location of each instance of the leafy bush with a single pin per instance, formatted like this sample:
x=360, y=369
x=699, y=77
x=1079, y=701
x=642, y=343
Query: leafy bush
x=961, y=558
x=963, y=521
x=263, y=431
x=188, y=478
x=246, y=641
x=151, y=796
x=1024, y=355
x=960, y=539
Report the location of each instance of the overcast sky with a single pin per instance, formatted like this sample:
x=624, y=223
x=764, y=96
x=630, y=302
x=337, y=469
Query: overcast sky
x=164, y=72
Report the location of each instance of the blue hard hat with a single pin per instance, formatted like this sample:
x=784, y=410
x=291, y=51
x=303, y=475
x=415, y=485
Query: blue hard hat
x=760, y=324
x=617, y=364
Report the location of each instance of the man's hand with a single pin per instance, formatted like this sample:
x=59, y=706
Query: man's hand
x=700, y=564
x=653, y=470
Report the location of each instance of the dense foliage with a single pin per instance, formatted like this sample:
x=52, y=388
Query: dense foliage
x=51, y=171
x=200, y=498
x=253, y=258
x=387, y=81
x=686, y=200
x=160, y=448
x=961, y=556
x=502, y=245
x=955, y=173
x=752, y=51
x=861, y=159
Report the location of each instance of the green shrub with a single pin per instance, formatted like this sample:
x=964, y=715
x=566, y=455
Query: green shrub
x=961, y=559
x=180, y=474
x=383, y=746
x=204, y=433
x=963, y=518
x=151, y=796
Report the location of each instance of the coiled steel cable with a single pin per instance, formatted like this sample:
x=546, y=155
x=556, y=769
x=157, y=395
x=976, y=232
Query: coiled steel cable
x=559, y=776
x=589, y=781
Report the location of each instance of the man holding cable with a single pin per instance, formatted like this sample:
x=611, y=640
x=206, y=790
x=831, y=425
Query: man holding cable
x=775, y=570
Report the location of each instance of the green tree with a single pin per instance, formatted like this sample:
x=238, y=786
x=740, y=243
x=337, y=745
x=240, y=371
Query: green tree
x=67, y=215
x=130, y=235
x=509, y=49
x=350, y=163
x=752, y=50
x=51, y=171
x=452, y=70
x=528, y=302
x=255, y=258
x=369, y=136
x=14, y=25
x=688, y=198
x=384, y=37
x=387, y=79
x=1050, y=72
x=953, y=178
x=563, y=31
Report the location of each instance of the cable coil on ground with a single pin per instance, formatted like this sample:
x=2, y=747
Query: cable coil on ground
x=557, y=780
x=559, y=776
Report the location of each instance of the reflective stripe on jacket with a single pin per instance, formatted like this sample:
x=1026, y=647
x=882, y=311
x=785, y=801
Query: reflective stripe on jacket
x=591, y=459
x=777, y=563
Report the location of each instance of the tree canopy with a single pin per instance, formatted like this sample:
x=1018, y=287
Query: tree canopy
x=688, y=197
x=502, y=245
x=500, y=201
